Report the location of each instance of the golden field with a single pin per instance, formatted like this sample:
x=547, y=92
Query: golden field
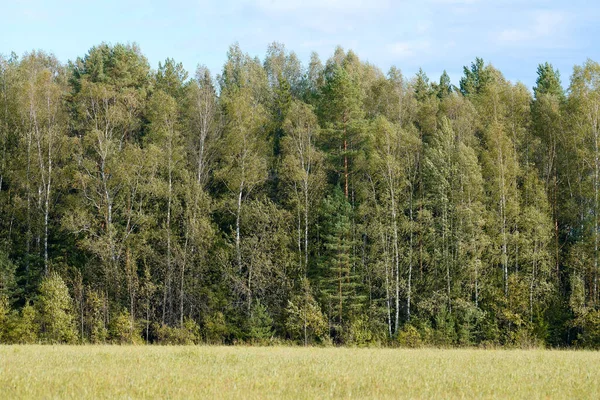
x=37, y=372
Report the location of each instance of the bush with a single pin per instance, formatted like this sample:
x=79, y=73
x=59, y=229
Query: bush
x=525, y=338
x=4, y=311
x=409, y=337
x=187, y=334
x=124, y=330
x=94, y=320
x=468, y=321
x=305, y=322
x=55, y=311
x=21, y=328
x=215, y=328
x=445, y=328
x=7, y=275
x=359, y=332
x=588, y=325
x=260, y=324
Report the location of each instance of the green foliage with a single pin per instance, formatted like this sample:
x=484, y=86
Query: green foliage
x=7, y=275
x=120, y=65
x=21, y=327
x=356, y=206
x=4, y=311
x=55, y=311
x=215, y=328
x=409, y=337
x=260, y=324
x=187, y=334
x=305, y=322
x=444, y=88
x=475, y=79
x=340, y=285
x=588, y=326
x=123, y=329
x=360, y=332
x=548, y=81
x=422, y=86
x=94, y=319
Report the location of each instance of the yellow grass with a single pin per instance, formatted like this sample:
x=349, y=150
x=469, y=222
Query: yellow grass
x=287, y=372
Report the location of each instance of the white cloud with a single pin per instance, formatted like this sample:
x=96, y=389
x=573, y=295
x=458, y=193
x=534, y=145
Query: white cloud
x=329, y=17
x=409, y=49
x=545, y=24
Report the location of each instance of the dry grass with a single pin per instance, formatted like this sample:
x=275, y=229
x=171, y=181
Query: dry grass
x=287, y=372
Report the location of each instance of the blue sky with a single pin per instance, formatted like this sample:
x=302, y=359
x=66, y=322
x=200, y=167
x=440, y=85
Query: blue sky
x=514, y=35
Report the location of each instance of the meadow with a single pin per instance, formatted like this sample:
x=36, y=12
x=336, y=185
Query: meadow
x=36, y=371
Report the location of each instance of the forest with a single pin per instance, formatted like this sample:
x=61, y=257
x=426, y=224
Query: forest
x=322, y=204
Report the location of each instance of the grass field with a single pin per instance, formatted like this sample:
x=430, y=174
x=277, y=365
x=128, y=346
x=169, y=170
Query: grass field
x=286, y=372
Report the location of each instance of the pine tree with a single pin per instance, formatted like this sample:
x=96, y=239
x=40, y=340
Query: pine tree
x=340, y=286
x=342, y=116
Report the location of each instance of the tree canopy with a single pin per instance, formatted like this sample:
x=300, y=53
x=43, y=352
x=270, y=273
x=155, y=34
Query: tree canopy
x=320, y=203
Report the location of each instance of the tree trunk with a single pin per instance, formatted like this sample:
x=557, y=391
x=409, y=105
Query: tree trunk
x=410, y=256
x=167, y=287
x=396, y=250
x=306, y=207
x=238, y=250
x=387, y=283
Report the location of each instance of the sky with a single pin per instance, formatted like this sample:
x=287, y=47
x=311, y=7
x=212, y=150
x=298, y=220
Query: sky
x=513, y=35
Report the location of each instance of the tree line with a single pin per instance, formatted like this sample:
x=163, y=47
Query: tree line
x=281, y=202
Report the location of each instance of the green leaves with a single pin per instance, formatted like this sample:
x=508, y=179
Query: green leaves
x=332, y=202
x=55, y=310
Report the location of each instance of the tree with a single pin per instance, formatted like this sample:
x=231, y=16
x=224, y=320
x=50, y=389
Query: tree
x=204, y=125
x=165, y=136
x=260, y=323
x=500, y=172
x=55, y=308
x=339, y=284
x=422, y=87
x=243, y=165
x=317, y=202
x=392, y=170
x=444, y=88
x=305, y=320
x=342, y=117
x=546, y=110
x=43, y=101
x=302, y=170
x=475, y=79
x=440, y=174
x=584, y=167
x=109, y=88
x=171, y=79
x=21, y=327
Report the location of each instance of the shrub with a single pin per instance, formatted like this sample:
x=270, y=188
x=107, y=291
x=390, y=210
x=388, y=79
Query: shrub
x=525, y=338
x=7, y=275
x=409, y=337
x=215, y=328
x=588, y=324
x=21, y=328
x=4, y=311
x=359, y=332
x=187, y=334
x=124, y=330
x=94, y=320
x=260, y=324
x=305, y=321
x=55, y=311
x=445, y=328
